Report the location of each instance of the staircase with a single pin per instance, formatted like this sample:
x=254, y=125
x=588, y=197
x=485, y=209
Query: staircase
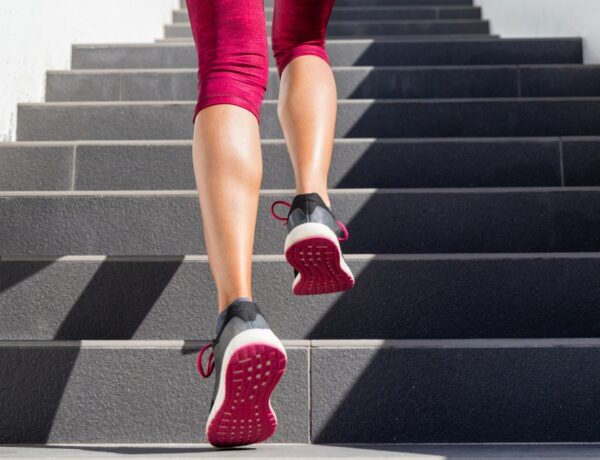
x=466, y=167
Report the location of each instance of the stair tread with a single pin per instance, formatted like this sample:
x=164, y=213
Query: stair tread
x=313, y=451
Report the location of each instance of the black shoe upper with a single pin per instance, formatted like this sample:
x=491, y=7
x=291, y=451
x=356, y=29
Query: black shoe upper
x=310, y=207
x=239, y=317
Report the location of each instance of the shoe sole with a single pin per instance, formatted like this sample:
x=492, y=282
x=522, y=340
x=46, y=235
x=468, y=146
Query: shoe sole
x=314, y=251
x=253, y=365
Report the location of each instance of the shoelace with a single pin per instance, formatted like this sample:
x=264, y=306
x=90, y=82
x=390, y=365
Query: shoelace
x=211, y=361
x=285, y=220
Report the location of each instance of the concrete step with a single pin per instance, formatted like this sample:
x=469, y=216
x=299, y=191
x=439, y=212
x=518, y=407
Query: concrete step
x=357, y=118
x=417, y=221
x=312, y=451
x=392, y=163
x=457, y=296
x=344, y=3
x=378, y=12
x=375, y=27
x=332, y=392
x=125, y=392
x=394, y=82
x=381, y=51
x=403, y=38
x=478, y=391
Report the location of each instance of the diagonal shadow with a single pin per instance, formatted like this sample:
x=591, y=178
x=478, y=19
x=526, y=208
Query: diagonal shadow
x=436, y=394
x=112, y=306
x=12, y=277
x=116, y=300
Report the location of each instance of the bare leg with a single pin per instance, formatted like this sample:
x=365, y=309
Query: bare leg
x=307, y=112
x=228, y=169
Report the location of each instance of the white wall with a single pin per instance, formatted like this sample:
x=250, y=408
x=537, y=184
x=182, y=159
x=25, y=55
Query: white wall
x=36, y=35
x=547, y=18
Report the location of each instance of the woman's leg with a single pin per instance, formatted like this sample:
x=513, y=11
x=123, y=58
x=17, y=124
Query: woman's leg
x=247, y=357
x=308, y=97
x=307, y=112
x=230, y=38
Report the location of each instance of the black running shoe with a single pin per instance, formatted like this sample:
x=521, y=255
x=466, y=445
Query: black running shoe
x=312, y=246
x=249, y=361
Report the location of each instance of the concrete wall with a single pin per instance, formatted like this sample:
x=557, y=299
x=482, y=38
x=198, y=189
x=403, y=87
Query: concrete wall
x=548, y=18
x=36, y=35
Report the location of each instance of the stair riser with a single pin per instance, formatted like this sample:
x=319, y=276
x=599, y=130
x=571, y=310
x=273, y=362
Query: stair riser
x=455, y=395
x=416, y=222
x=474, y=297
x=357, y=28
x=358, y=52
x=356, y=119
x=152, y=395
x=391, y=164
x=352, y=83
x=338, y=3
x=371, y=14
x=357, y=395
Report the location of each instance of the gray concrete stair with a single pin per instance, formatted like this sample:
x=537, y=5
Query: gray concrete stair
x=418, y=297
x=442, y=391
x=352, y=13
x=415, y=221
x=466, y=169
x=317, y=452
x=345, y=52
x=367, y=82
x=357, y=118
x=376, y=28
x=392, y=163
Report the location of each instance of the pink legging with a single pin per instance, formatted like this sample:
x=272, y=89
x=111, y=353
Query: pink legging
x=231, y=42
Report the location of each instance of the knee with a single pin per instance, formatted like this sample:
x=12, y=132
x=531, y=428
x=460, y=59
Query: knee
x=286, y=49
x=299, y=29
x=237, y=78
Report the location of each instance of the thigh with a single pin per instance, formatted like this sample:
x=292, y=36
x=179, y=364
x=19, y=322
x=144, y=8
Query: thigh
x=301, y=21
x=229, y=34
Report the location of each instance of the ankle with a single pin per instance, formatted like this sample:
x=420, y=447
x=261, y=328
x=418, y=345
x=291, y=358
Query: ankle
x=223, y=312
x=322, y=193
x=226, y=301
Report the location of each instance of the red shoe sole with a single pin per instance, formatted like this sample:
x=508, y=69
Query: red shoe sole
x=246, y=416
x=318, y=260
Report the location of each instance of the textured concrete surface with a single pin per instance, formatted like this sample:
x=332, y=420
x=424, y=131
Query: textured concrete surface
x=421, y=221
x=375, y=28
x=581, y=162
x=405, y=394
x=352, y=83
x=343, y=13
x=416, y=298
x=392, y=163
x=387, y=118
x=373, y=451
x=74, y=394
x=35, y=168
x=382, y=51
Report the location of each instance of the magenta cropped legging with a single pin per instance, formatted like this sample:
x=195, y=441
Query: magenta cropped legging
x=231, y=42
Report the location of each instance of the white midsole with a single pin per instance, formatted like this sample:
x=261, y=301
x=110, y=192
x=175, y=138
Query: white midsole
x=312, y=230
x=263, y=336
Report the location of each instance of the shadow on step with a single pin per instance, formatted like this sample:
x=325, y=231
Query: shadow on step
x=38, y=375
x=116, y=300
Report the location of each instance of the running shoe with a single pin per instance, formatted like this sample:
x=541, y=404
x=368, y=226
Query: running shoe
x=248, y=360
x=312, y=246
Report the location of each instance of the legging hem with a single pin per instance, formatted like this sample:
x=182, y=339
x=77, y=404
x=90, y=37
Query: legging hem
x=226, y=99
x=302, y=50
